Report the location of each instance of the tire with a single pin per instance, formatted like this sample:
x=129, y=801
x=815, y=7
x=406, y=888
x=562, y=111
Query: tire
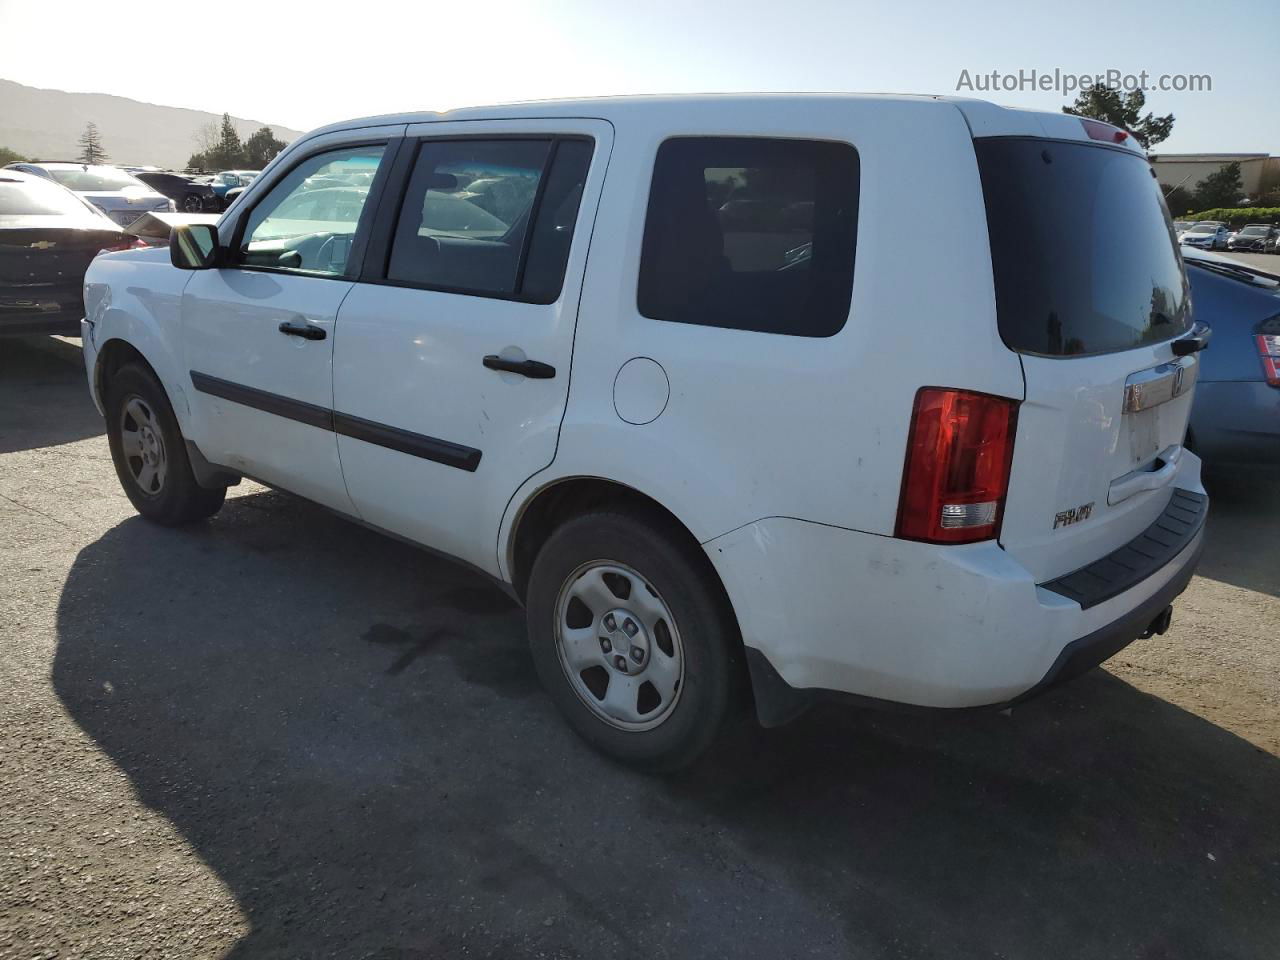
x=664, y=623
x=191, y=203
x=149, y=454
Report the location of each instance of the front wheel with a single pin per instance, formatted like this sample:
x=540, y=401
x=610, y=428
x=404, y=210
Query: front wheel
x=149, y=454
x=633, y=638
x=192, y=203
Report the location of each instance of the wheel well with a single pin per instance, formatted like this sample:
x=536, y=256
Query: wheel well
x=114, y=355
x=566, y=499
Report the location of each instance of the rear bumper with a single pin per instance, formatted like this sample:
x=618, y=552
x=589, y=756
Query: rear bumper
x=1087, y=652
x=832, y=610
x=53, y=310
x=57, y=325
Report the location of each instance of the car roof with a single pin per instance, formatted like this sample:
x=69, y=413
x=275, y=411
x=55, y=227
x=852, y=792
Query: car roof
x=984, y=119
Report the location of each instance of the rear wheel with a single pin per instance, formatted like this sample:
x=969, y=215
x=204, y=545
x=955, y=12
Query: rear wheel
x=191, y=203
x=632, y=638
x=149, y=454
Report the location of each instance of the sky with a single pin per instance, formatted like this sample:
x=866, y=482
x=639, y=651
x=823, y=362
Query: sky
x=305, y=64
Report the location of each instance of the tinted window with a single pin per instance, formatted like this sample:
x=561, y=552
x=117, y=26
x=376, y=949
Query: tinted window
x=308, y=220
x=752, y=234
x=88, y=178
x=37, y=198
x=553, y=225
x=465, y=223
x=1082, y=248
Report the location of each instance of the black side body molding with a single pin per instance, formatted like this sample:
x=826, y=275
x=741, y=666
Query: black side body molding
x=380, y=434
x=414, y=444
x=308, y=413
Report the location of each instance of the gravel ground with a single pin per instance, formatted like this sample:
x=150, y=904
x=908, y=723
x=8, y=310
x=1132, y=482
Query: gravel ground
x=280, y=735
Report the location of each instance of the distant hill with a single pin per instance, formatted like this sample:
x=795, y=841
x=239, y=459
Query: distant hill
x=46, y=124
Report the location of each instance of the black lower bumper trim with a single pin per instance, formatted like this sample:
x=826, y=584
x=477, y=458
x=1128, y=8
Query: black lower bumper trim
x=1148, y=552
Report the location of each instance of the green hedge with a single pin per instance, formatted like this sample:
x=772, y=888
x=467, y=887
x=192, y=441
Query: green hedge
x=1237, y=216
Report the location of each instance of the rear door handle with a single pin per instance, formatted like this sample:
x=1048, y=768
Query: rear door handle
x=533, y=369
x=297, y=328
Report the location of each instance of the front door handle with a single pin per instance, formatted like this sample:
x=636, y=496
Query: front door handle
x=307, y=331
x=533, y=369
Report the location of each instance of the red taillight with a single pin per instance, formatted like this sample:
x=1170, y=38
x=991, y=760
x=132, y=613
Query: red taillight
x=957, y=469
x=1269, y=351
x=1097, y=130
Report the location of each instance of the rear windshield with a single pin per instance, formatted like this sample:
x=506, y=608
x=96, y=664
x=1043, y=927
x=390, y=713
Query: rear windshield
x=1082, y=248
x=87, y=179
x=35, y=198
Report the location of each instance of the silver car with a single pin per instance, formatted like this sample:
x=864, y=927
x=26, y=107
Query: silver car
x=119, y=195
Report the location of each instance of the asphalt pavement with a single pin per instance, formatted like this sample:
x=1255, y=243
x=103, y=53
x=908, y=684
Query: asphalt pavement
x=280, y=735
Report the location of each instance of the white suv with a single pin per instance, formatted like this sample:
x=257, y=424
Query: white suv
x=661, y=366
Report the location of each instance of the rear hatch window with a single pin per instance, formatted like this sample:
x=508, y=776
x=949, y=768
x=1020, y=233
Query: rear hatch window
x=1083, y=251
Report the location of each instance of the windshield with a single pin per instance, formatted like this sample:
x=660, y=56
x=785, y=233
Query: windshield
x=1253, y=231
x=1201, y=228
x=36, y=198
x=85, y=179
x=1122, y=287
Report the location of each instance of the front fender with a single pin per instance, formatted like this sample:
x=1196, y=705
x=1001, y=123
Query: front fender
x=136, y=297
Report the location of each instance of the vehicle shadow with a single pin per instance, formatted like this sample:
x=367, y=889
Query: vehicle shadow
x=1243, y=512
x=44, y=398
x=348, y=731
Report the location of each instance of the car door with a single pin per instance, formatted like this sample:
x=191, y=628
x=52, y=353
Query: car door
x=451, y=364
x=258, y=330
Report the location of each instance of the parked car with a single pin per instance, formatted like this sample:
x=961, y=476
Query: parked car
x=1236, y=415
x=187, y=193
x=1208, y=234
x=230, y=180
x=48, y=235
x=117, y=194
x=1253, y=237
x=1182, y=226
x=760, y=476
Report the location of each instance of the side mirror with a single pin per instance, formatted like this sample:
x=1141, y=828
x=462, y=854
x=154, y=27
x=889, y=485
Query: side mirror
x=194, y=246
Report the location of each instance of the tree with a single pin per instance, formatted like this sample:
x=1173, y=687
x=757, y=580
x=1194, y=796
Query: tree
x=91, y=149
x=1123, y=110
x=261, y=148
x=1220, y=189
x=9, y=156
x=207, y=136
x=228, y=152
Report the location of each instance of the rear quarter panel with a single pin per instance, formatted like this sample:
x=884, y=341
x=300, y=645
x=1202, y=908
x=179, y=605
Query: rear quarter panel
x=761, y=425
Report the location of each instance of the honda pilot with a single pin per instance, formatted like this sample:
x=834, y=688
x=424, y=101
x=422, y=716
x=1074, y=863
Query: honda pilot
x=660, y=367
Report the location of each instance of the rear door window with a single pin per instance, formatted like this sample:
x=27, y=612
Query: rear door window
x=490, y=217
x=1083, y=251
x=751, y=234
